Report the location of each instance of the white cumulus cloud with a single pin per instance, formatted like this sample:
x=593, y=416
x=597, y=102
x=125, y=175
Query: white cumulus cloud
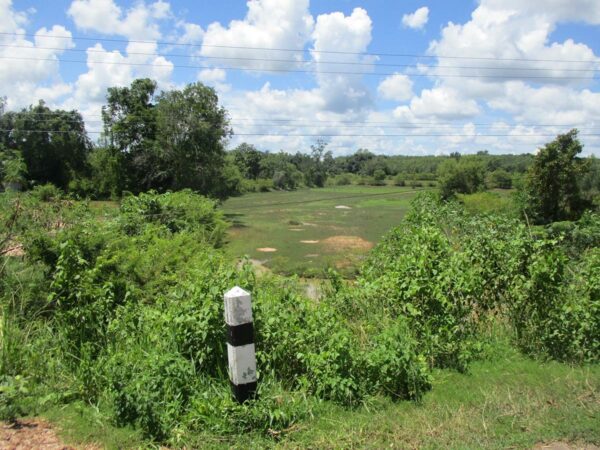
x=396, y=87
x=268, y=24
x=416, y=20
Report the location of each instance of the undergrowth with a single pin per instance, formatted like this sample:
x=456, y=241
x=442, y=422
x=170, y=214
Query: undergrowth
x=127, y=313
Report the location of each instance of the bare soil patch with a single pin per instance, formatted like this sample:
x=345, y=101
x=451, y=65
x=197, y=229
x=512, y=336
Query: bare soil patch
x=558, y=445
x=342, y=207
x=312, y=255
x=32, y=434
x=13, y=250
x=347, y=243
x=309, y=242
x=266, y=249
x=296, y=229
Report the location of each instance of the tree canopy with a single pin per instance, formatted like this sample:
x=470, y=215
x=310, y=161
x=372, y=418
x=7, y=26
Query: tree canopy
x=552, y=191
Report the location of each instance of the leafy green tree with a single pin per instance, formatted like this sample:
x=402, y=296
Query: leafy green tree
x=461, y=175
x=53, y=143
x=13, y=169
x=551, y=188
x=130, y=126
x=192, y=130
x=500, y=179
x=247, y=158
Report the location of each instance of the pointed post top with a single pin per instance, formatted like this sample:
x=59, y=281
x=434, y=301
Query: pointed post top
x=236, y=292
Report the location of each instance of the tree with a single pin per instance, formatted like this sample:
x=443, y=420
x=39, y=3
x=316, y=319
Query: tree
x=192, y=130
x=130, y=127
x=13, y=169
x=247, y=158
x=551, y=188
x=53, y=143
x=500, y=179
x=460, y=176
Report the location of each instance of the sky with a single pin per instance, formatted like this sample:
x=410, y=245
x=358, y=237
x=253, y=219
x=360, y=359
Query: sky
x=395, y=77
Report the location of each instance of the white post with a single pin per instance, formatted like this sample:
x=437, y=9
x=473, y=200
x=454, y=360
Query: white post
x=240, y=343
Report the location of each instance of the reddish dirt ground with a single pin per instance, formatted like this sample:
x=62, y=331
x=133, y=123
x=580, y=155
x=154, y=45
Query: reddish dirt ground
x=30, y=434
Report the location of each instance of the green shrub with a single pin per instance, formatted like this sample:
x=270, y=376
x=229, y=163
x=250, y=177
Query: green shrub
x=46, y=192
x=556, y=310
x=399, y=180
x=177, y=211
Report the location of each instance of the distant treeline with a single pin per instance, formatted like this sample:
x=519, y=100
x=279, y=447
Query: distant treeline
x=177, y=139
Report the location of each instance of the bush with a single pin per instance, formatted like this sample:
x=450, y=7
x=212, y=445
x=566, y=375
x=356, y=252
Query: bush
x=399, y=180
x=555, y=312
x=178, y=211
x=47, y=192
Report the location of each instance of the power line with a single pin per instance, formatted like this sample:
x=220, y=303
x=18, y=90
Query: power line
x=573, y=125
x=259, y=124
x=240, y=47
x=340, y=135
x=307, y=62
x=325, y=72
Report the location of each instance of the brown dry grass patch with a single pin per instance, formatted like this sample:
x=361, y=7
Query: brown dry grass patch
x=338, y=243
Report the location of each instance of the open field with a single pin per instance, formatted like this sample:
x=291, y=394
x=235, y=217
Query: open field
x=303, y=232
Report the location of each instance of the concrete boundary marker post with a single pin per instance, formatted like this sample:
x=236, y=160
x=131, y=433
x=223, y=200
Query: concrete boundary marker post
x=241, y=352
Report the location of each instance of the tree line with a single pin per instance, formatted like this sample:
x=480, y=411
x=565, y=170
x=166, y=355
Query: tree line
x=177, y=139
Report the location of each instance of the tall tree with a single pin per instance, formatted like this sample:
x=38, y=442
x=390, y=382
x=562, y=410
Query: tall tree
x=551, y=186
x=192, y=130
x=53, y=143
x=130, y=126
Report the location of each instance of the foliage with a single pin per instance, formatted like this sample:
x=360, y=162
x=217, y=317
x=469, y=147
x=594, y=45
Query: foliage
x=551, y=191
x=461, y=176
x=131, y=317
x=54, y=149
x=500, y=179
x=177, y=212
x=173, y=141
x=13, y=169
x=556, y=313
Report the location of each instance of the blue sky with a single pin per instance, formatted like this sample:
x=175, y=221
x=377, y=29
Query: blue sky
x=486, y=96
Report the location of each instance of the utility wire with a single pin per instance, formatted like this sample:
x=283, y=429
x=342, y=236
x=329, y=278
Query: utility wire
x=307, y=62
x=323, y=72
x=338, y=135
x=241, y=47
x=317, y=121
x=442, y=127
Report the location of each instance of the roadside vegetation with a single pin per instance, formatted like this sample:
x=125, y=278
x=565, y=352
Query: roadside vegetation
x=459, y=306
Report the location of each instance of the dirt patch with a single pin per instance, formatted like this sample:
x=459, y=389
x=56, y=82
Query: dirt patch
x=347, y=243
x=312, y=255
x=296, y=229
x=308, y=224
x=30, y=434
x=342, y=207
x=266, y=249
x=309, y=242
x=13, y=250
x=564, y=446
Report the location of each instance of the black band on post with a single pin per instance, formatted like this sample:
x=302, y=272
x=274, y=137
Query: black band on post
x=243, y=392
x=238, y=335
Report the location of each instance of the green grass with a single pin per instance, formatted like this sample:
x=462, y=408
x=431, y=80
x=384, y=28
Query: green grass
x=282, y=219
x=497, y=201
x=507, y=402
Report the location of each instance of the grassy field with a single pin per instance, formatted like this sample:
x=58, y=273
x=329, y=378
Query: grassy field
x=305, y=231
x=507, y=402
